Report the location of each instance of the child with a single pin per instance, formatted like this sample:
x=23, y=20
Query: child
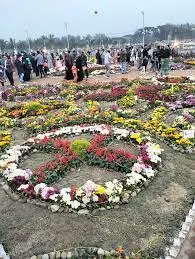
x=74, y=71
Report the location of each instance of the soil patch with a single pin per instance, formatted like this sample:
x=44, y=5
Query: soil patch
x=128, y=147
x=81, y=175
x=35, y=159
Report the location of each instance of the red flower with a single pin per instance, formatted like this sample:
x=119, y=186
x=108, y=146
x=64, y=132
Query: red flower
x=41, y=167
x=73, y=191
x=40, y=179
x=51, y=165
x=111, y=157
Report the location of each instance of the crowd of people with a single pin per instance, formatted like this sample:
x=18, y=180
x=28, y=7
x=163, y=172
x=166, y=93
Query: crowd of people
x=76, y=62
x=156, y=59
x=40, y=63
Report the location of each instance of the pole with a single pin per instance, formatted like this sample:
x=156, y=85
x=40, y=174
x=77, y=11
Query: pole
x=143, y=15
x=28, y=41
x=66, y=27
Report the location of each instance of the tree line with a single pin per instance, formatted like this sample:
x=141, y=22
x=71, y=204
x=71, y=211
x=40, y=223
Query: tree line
x=152, y=34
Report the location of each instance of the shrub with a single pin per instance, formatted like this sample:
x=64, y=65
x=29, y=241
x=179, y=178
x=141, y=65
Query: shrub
x=80, y=146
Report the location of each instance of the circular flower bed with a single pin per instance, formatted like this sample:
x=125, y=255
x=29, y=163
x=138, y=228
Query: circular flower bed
x=138, y=170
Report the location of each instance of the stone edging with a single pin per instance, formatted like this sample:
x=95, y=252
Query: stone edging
x=178, y=241
x=87, y=252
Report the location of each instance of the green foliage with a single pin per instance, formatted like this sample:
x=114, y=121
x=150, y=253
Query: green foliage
x=80, y=146
x=33, y=106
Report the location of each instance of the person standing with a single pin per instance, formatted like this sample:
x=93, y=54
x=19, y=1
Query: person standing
x=40, y=61
x=116, y=56
x=34, y=64
x=107, y=61
x=139, y=57
x=165, y=61
x=20, y=68
x=123, y=63
x=98, y=57
x=79, y=67
x=85, y=68
x=68, y=64
x=103, y=57
x=73, y=55
x=27, y=67
x=45, y=65
x=3, y=89
x=49, y=60
x=128, y=54
x=159, y=57
x=9, y=69
x=145, y=59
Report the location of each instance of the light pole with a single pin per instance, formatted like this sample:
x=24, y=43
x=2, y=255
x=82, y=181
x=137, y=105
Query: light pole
x=28, y=41
x=143, y=32
x=66, y=28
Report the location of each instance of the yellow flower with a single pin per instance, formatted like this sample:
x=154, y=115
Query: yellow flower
x=101, y=190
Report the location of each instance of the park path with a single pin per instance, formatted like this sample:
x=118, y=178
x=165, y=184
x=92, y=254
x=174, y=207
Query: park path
x=132, y=74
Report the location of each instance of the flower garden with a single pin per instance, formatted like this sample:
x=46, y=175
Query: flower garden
x=109, y=164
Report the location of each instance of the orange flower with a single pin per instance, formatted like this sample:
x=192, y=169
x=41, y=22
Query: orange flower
x=120, y=250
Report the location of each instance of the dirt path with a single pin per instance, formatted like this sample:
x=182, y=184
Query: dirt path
x=131, y=75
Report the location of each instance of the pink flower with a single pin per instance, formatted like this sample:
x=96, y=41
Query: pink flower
x=137, y=168
x=89, y=188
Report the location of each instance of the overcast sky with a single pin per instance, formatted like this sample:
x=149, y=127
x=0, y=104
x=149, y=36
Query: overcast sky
x=115, y=17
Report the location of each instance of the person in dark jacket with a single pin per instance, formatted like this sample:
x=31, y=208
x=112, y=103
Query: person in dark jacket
x=9, y=69
x=98, y=57
x=128, y=54
x=123, y=61
x=34, y=64
x=84, y=59
x=165, y=61
x=79, y=66
x=27, y=67
x=145, y=58
x=20, y=68
x=159, y=56
x=68, y=64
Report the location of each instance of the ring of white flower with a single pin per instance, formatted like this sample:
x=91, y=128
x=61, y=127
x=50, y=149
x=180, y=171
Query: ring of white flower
x=90, y=195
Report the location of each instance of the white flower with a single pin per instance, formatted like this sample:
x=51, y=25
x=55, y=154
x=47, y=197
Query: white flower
x=79, y=192
x=115, y=181
x=116, y=199
x=66, y=198
x=65, y=190
x=95, y=198
x=39, y=187
x=23, y=187
x=12, y=166
x=54, y=197
x=153, y=151
x=11, y=174
x=137, y=177
x=130, y=181
x=109, y=188
x=85, y=199
x=149, y=172
x=75, y=204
